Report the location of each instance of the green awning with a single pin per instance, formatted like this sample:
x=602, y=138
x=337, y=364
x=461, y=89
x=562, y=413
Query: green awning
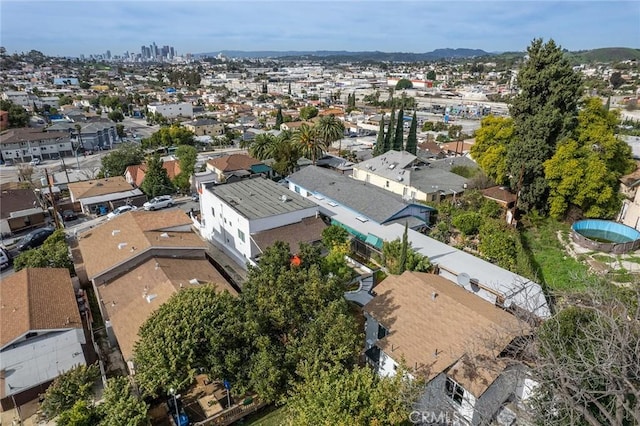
x=374, y=241
x=260, y=168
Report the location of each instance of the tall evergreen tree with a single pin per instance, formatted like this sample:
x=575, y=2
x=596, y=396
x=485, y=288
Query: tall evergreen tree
x=279, y=118
x=404, y=249
x=156, y=180
x=388, y=138
x=289, y=89
x=379, y=148
x=399, y=134
x=412, y=138
x=544, y=111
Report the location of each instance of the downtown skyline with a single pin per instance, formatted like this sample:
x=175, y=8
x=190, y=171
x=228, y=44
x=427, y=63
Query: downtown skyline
x=72, y=28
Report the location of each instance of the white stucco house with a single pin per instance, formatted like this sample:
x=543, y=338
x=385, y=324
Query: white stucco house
x=232, y=213
x=454, y=341
x=183, y=109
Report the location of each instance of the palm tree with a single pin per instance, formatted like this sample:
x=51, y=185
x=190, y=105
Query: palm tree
x=79, y=130
x=330, y=129
x=263, y=146
x=310, y=144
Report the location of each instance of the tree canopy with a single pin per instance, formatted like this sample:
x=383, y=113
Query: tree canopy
x=53, y=253
x=169, y=136
x=404, y=83
x=412, y=137
x=587, y=166
x=187, y=157
x=543, y=112
x=493, y=140
x=18, y=116
x=121, y=406
x=71, y=386
x=156, y=179
x=116, y=161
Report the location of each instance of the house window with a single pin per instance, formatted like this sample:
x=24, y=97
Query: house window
x=454, y=391
x=387, y=184
x=241, y=235
x=213, y=212
x=382, y=331
x=297, y=189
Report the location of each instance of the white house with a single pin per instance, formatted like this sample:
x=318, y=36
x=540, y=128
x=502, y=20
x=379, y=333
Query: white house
x=183, y=109
x=452, y=340
x=232, y=213
x=25, y=144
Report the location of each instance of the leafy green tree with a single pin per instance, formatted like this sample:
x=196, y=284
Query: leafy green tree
x=396, y=263
x=82, y=413
x=335, y=263
x=616, y=80
x=404, y=247
x=116, y=115
x=543, y=112
x=308, y=112
x=71, y=386
x=311, y=146
x=120, y=131
x=339, y=396
x=468, y=223
x=279, y=118
x=330, y=129
x=498, y=243
x=18, y=116
x=169, y=136
x=398, y=143
x=431, y=75
x=65, y=100
x=286, y=153
x=116, y=161
x=493, y=139
x=412, y=138
x=187, y=157
x=174, y=341
x=121, y=406
x=404, y=83
x=156, y=179
x=378, y=149
x=586, y=168
x=389, y=137
x=54, y=253
x=334, y=235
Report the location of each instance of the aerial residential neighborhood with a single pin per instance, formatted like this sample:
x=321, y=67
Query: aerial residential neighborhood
x=319, y=237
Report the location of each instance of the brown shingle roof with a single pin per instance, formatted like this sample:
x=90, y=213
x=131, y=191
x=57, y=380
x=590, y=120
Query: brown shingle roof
x=233, y=162
x=37, y=299
x=93, y=188
x=499, y=194
x=452, y=324
x=13, y=200
x=125, y=298
x=306, y=231
x=140, y=230
x=139, y=171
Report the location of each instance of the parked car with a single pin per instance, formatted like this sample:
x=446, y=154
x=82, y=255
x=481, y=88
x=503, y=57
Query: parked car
x=34, y=239
x=159, y=202
x=5, y=258
x=68, y=215
x=195, y=197
x=34, y=162
x=119, y=210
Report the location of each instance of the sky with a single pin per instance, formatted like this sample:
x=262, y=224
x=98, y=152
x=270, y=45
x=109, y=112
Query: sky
x=71, y=28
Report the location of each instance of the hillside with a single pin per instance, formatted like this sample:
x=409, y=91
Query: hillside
x=606, y=54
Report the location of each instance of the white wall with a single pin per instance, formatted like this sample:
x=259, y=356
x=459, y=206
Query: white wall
x=184, y=109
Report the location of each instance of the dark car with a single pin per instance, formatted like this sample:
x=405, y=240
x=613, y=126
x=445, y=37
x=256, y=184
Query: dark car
x=68, y=215
x=5, y=258
x=34, y=239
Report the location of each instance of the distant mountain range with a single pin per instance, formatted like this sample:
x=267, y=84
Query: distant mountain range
x=607, y=54
x=362, y=56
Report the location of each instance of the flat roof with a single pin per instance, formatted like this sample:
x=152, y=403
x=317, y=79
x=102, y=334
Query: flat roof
x=259, y=198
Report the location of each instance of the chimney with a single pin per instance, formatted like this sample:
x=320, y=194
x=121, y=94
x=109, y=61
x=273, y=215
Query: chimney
x=434, y=295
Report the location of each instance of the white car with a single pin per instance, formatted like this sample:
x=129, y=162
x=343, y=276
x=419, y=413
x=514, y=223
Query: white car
x=159, y=202
x=34, y=162
x=119, y=210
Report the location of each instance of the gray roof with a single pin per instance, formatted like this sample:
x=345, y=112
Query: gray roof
x=203, y=122
x=448, y=163
x=259, y=198
x=373, y=202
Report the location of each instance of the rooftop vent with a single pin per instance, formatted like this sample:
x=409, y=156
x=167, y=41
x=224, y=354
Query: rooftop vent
x=164, y=235
x=115, y=232
x=434, y=295
x=194, y=281
x=400, y=178
x=121, y=246
x=392, y=166
x=284, y=198
x=150, y=297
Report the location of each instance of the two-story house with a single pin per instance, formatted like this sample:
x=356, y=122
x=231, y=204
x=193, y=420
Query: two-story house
x=451, y=339
x=233, y=213
x=231, y=168
x=405, y=174
x=205, y=127
x=24, y=144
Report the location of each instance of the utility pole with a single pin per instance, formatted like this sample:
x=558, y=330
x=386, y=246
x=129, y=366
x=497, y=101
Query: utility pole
x=53, y=201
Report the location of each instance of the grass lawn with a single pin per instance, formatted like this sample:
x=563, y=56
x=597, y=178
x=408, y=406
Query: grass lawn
x=555, y=268
x=270, y=416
